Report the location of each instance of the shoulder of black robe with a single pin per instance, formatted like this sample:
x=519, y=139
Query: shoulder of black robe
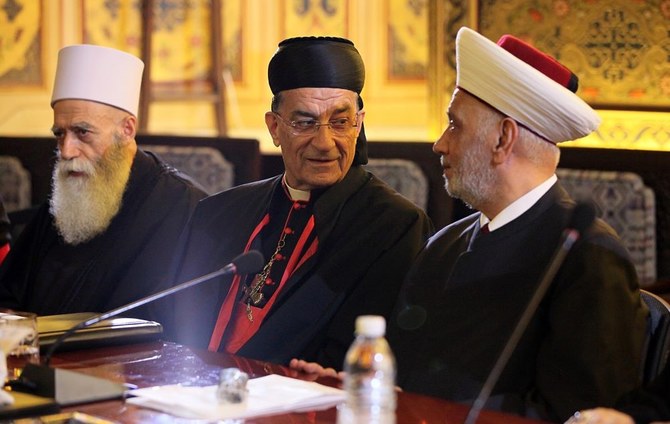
x=368, y=236
x=137, y=245
x=17, y=270
x=143, y=237
x=217, y=232
x=5, y=227
x=649, y=404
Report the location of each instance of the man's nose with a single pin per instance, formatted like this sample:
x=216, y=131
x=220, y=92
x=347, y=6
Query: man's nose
x=68, y=147
x=441, y=145
x=323, y=139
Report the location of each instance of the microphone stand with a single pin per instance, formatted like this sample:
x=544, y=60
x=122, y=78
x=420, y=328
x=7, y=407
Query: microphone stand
x=121, y=309
x=69, y=387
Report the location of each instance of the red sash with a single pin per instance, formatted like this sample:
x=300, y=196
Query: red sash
x=4, y=250
x=234, y=313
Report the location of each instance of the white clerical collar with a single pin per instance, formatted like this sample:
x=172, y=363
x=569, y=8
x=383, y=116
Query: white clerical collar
x=295, y=194
x=519, y=206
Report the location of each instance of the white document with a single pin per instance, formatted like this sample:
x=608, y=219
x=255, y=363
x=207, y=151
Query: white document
x=268, y=395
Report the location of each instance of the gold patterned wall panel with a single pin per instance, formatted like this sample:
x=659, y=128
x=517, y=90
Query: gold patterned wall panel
x=407, y=40
x=181, y=36
x=233, y=26
x=619, y=48
x=315, y=17
x=446, y=17
x=115, y=24
x=629, y=130
x=20, y=43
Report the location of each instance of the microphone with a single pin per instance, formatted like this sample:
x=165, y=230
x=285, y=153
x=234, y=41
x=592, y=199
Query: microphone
x=69, y=387
x=582, y=217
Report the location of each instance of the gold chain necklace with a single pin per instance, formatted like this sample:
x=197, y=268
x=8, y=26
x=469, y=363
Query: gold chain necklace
x=254, y=293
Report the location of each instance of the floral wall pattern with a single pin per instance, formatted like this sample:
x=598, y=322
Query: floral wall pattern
x=181, y=36
x=20, y=43
x=619, y=49
x=315, y=17
x=408, y=39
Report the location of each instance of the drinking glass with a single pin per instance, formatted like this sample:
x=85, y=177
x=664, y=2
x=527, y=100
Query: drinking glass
x=19, y=336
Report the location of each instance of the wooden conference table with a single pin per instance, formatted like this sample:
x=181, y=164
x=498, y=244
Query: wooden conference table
x=159, y=363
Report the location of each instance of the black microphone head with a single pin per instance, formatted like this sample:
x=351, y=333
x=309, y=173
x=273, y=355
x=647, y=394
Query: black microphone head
x=249, y=262
x=582, y=217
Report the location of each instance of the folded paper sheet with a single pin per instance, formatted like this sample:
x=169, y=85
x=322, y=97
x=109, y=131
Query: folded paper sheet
x=272, y=394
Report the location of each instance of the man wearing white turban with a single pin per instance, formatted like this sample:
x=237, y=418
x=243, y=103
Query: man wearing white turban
x=115, y=212
x=471, y=283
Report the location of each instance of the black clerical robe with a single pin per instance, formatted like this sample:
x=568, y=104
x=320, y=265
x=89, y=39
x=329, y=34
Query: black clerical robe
x=128, y=261
x=5, y=232
x=467, y=290
x=367, y=235
x=651, y=403
x=5, y=226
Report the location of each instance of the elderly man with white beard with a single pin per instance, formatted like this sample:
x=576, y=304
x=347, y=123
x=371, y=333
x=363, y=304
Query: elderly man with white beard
x=106, y=235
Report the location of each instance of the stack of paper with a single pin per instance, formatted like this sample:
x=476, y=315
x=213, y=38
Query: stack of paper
x=272, y=394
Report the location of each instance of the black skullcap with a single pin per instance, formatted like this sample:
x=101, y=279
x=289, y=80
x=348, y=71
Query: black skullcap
x=316, y=62
x=330, y=62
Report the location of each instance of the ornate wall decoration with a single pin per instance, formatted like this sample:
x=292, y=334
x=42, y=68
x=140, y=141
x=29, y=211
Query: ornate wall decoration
x=620, y=49
x=181, y=36
x=408, y=39
x=116, y=23
x=446, y=17
x=629, y=130
x=233, y=25
x=20, y=43
x=314, y=17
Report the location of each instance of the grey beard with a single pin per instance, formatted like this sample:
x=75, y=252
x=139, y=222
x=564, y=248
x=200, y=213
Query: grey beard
x=84, y=207
x=78, y=214
x=474, y=181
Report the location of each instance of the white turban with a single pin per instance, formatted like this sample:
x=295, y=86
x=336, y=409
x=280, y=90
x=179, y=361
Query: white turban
x=99, y=74
x=524, y=84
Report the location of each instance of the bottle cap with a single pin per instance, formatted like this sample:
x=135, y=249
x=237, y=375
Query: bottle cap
x=370, y=325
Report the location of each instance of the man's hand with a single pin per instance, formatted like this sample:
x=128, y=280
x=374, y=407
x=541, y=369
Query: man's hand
x=600, y=416
x=311, y=370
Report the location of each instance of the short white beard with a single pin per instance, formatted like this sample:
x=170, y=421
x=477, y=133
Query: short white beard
x=83, y=207
x=474, y=178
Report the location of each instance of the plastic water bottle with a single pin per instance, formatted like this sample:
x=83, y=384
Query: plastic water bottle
x=369, y=382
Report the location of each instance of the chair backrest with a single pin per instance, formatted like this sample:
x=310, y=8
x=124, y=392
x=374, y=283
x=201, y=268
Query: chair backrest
x=405, y=176
x=205, y=165
x=658, y=336
x=242, y=154
x=15, y=185
x=624, y=202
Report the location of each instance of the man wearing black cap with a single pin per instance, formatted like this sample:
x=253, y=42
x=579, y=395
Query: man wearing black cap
x=336, y=240
x=471, y=283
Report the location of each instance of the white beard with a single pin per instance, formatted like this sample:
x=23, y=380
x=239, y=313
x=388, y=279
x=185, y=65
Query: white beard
x=84, y=206
x=474, y=179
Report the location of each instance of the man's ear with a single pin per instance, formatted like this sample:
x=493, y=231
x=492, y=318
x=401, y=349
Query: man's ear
x=359, y=122
x=129, y=127
x=272, y=123
x=508, y=134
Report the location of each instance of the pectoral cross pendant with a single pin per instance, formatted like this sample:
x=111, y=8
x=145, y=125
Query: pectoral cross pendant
x=250, y=315
x=254, y=294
